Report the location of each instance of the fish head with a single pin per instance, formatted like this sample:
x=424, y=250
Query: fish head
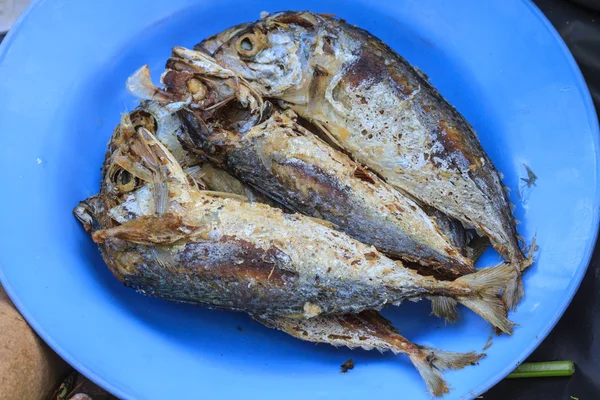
x=141, y=177
x=212, y=43
x=194, y=81
x=272, y=53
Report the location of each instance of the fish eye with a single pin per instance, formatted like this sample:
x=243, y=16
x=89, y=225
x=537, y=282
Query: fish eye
x=125, y=181
x=247, y=45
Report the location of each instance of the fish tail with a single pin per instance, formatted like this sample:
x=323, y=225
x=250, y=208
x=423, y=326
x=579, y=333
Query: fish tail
x=515, y=291
x=485, y=299
x=444, y=307
x=431, y=362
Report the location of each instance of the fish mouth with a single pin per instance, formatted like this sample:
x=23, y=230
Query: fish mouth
x=87, y=211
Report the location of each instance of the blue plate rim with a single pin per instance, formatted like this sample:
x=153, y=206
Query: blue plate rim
x=586, y=259
x=576, y=280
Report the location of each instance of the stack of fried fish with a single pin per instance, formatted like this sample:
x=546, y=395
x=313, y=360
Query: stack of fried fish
x=299, y=170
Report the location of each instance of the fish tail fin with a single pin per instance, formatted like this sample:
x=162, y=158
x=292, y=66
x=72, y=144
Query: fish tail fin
x=514, y=290
x=530, y=255
x=444, y=307
x=485, y=299
x=431, y=362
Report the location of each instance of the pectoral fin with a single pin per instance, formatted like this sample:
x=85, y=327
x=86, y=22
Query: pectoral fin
x=148, y=230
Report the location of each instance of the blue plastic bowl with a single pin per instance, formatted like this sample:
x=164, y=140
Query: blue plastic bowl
x=62, y=74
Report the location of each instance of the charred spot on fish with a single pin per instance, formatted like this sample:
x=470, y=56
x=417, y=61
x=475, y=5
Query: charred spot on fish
x=333, y=336
x=143, y=119
x=402, y=84
x=328, y=46
x=367, y=68
x=451, y=154
x=362, y=99
x=176, y=82
x=429, y=359
x=372, y=256
x=450, y=251
x=310, y=176
x=233, y=117
x=235, y=260
x=377, y=323
x=198, y=138
x=320, y=71
x=363, y=175
x=305, y=20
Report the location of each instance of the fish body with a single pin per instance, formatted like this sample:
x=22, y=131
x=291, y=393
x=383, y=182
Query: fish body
x=301, y=171
x=294, y=167
x=382, y=111
x=164, y=237
x=369, y=330
x=138, y=269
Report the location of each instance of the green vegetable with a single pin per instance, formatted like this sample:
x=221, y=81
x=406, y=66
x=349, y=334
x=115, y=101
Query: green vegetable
x=543, y=369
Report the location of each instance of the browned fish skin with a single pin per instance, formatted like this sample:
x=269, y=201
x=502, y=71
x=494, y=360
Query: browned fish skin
x=294, y=167
x=166, y=238
x=369, y=330
x=297, y=169
x=383, y=112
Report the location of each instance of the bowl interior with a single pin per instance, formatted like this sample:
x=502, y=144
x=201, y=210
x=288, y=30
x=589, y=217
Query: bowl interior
x=64, y=69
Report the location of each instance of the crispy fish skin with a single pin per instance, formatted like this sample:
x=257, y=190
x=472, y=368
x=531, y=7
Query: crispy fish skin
x=237, y=116
x=166, y=238
x=250, y=257
x=369, y=330
x=382, y=111
x=301, y=171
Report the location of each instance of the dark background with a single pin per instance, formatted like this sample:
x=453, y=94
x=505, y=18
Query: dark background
x=574, y=337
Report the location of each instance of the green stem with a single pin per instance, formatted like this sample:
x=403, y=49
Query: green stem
x=543, y=369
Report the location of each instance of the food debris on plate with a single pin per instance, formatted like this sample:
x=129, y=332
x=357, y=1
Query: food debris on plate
x=347, y=366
